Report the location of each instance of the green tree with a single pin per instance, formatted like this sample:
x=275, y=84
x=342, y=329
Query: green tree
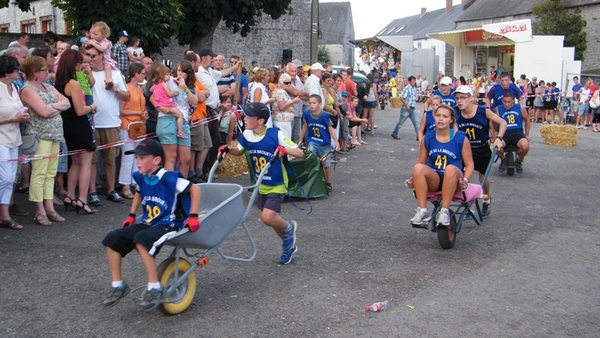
x=153, y=21
x=22, y=4
x=555, y=19
x=203, y=16
x=323, y=55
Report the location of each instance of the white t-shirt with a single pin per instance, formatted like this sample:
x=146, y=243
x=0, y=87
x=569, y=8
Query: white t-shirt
x=10, y=136
x=209, y=79
x=584, y=95
x=107, y=115
x=264, y=97
x=135, y=51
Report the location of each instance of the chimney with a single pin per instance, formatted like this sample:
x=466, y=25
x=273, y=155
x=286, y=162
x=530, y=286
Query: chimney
x=423, y=11
x=448, y=5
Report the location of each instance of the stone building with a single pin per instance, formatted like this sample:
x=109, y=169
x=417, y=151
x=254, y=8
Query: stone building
x=336, y=30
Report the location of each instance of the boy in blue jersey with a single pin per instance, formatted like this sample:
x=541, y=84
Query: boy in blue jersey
x=262, y=144
x=514, y=115
x=318, y=132
x=157, y=193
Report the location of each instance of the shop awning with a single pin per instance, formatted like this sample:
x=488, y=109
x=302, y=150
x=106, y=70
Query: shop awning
x=453, y=37
x=403, y=43
x=517, y=31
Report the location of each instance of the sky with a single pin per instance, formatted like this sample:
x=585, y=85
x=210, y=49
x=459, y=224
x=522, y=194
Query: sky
x=371, y=16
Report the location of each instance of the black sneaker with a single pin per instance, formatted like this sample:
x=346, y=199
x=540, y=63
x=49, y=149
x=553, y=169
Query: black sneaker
x=94, y=200
x=116, y=295
x=502, y=166
x=519, y=166
x=151, y=298
x=395, y=137
x=486, y=208
x=114, y=196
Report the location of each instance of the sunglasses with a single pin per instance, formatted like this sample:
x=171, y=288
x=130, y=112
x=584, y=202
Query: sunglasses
x=287, y=83
x=91, y=55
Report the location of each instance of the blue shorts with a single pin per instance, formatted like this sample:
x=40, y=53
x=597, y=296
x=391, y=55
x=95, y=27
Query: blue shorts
x=166, y=131
x=270, y=201
x=320, y=151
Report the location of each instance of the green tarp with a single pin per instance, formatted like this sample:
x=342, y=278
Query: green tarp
x=309, y=179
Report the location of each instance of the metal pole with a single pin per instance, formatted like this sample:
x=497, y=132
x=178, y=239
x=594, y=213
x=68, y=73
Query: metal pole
x=314, y=32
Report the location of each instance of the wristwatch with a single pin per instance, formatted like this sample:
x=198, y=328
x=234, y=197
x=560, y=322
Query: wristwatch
x=500, y=138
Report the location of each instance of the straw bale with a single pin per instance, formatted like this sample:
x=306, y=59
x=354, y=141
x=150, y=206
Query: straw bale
x=233, y=166
x=557, y=135
x=396, y=103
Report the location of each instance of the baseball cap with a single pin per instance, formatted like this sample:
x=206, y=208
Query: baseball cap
x=446, y=81
x=317, y=66
x=148, y=147
x=257, y=109
x=345, y=94
x=207, y=52
x=123, y=33
x=464, y=90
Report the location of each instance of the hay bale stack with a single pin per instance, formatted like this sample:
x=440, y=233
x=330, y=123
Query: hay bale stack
x=233, y=166
x=556, y=135
x=396, y=103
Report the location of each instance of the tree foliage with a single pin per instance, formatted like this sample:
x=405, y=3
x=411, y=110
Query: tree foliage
x=203, y=16
x=555, y=19
x=153, y=21
x=323, y=55
x=22, y=4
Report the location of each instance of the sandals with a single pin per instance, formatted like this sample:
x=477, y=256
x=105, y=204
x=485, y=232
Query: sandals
x=22, y=189
x=83, y=207
x=126, y=192
x=42, y=219
x=11, y=224
x=362, y=142
x=54, y=216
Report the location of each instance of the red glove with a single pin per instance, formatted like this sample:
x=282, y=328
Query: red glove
x=281, y=150
x=129, y=221
x=193, y=223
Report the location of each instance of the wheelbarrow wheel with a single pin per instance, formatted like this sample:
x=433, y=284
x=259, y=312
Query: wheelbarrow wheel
x=510, y=163
x=180, y=299
x=447, y=236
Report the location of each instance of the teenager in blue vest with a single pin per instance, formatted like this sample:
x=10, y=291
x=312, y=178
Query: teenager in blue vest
x=428, y=119
x=318, y=131
x=157, y=193
x=446, y=92
x=444, y=159
x=514, y=115
x=261, y=144
x=474, y=121
x=495, y=94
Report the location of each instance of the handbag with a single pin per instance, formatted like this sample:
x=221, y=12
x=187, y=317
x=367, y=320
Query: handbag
x=595, y=102
x=136, y=129
x=30, y=140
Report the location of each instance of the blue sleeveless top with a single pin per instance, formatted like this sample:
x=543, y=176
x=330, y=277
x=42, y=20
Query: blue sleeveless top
x=429, y=121
x=159, y=197
x=476, y=128
x=497, y=92
x=261, y=153
x=447, y=99
x=441, y=154
x=318, y=128
x=513, y=117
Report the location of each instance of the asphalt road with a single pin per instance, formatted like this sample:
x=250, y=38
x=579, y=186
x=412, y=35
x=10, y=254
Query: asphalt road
x=530, y=271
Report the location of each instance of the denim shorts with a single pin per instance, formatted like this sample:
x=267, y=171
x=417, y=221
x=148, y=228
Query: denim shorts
x=166, y=131
x=320, y=151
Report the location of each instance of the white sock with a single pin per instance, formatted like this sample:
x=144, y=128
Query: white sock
x=154, y=286
x=117, y=284
x=488, y=201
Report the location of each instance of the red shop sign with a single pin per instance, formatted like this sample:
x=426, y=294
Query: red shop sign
x=507, y=49
x=481, y=35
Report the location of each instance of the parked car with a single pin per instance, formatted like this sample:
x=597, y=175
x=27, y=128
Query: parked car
x=357, y=77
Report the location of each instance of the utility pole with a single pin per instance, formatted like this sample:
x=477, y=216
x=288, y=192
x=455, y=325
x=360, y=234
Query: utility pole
x=314, y=32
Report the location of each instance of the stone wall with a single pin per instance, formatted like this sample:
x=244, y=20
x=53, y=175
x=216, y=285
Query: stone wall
x=13, y=16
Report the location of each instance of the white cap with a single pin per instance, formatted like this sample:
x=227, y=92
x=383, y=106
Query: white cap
x=446, y=81
x=464, y=90
x=317, y=66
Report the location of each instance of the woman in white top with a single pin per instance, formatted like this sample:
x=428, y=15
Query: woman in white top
x=258, y=90
x=134, y=51
x=11, y=113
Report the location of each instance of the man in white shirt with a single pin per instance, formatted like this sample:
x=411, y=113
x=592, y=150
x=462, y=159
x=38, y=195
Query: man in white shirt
x=296, y=89
x=209, y=78
x=107, y=123
x=424, y=85
x=313, y=82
